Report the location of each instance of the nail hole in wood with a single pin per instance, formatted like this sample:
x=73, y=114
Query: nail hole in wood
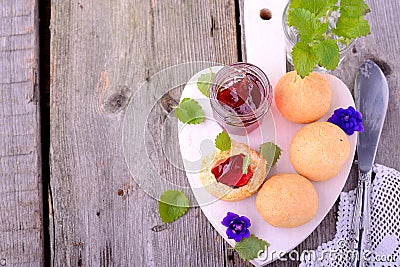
x=265, y=14
x=159, y=228
x=120, y=192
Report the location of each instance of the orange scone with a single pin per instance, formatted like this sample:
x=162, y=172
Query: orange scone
x=319, y=150
x=287, y=200
x=223, y=175
x=302, y=100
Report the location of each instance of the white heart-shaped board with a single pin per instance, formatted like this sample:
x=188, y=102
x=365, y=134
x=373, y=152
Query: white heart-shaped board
x=265, y=47
x=192, y=139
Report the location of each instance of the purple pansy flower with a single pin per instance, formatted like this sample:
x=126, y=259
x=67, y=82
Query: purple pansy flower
x=350, y=120
x=237, y=226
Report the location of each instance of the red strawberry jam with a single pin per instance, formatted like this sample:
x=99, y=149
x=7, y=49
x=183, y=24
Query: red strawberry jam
x=242, y=97
x=229, y=171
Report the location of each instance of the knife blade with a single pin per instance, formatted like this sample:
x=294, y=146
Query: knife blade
x=371, y=97
x=371, y=93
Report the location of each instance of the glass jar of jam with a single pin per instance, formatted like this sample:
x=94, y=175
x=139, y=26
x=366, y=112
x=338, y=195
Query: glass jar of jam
x=240, y=96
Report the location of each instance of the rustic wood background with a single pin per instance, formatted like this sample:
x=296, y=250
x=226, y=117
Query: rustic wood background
x=100, y=53
x=21, y=217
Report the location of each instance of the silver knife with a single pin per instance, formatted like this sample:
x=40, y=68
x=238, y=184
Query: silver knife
x=371, y=93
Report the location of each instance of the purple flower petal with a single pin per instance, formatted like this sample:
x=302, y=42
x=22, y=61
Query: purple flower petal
x=230, y=216
x=246, y=234
x=349, y=120
x=349, y=131
x=246, y=221
x=238, y=237
x=230, y=234
x=338, y=111
x=237, y=226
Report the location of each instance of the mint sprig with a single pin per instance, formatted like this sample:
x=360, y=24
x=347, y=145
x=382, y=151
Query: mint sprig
x=353, y=8
x=189, y=111
x=307, y=23
x=204, y=82
x=251, y=248
x=317, y=7
x=172, y=205
x=246, y=163
x=223, y=141
x=327, y=53
x=318, y=44
x=271, y=153
x=304, y=59
x=351, y=27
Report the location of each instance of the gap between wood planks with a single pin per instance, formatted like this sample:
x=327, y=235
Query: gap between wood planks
x=239, y=24
x=44, y=76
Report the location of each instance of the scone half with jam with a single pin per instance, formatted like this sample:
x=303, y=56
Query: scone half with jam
x=224, y=176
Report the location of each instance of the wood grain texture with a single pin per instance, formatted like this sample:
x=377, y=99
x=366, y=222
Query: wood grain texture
x=101, y=52
x=21, y=231
x=382, y=46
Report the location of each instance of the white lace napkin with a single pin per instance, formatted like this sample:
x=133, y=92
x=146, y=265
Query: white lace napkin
x=385, y=226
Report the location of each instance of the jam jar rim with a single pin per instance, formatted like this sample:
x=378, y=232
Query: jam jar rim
x=258, y=113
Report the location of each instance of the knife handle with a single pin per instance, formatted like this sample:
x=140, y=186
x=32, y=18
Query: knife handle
x=360, y=240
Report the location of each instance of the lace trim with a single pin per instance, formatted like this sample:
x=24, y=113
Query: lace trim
x=385, y=225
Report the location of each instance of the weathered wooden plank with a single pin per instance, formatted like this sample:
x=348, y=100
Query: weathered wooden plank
x=21, y=228
x=102, y=51
x=382, y=46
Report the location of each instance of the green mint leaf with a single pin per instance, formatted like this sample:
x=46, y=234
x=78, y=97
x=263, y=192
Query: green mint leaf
x=250, y=248
x=304, y=59
x=223, y=141
x=271, y=153
x=172, y=205
x=317, y=7
x=353, y=8
x=204, y=82
x=310, y=18
x=305, y=23
x=189, y=111
x=321, y=29
x=327, y=52
x=334, y=8
x=345, y=41
x=351, y=27
x=246, y=163
x=295, y=4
